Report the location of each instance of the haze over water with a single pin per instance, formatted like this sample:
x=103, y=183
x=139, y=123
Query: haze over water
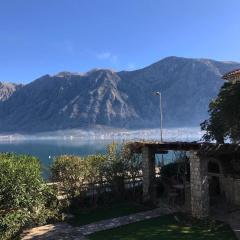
x=46, y=147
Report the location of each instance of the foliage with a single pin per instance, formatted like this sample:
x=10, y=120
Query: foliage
x=25, y=200
x=179, y=168
x=224, y=121
x=133, y=164
x=98, y=173
x=69, y=172
x=132, y=161
x=121, y=164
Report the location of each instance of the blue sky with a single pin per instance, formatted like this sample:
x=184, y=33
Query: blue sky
x=48, y=36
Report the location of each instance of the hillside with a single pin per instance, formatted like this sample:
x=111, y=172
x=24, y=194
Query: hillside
x=7, y=89
x=117, y=99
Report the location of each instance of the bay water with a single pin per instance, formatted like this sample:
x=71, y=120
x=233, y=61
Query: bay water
x=48, y=147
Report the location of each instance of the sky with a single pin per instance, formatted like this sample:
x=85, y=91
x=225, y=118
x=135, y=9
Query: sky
x=39, y=37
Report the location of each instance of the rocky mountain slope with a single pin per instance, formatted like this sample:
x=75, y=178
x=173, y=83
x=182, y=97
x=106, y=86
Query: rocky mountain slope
x=7, y=89
x=117, y=99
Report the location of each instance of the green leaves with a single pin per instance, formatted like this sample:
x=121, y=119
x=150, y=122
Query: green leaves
x=25, y=199
x=75, y=173
x=224, y=121
x=70, y=172
x=20, y=179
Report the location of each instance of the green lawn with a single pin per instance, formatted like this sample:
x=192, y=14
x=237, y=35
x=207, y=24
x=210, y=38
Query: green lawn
x=167, y=228
x=82, y=217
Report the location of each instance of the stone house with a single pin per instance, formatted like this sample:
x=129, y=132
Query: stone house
x=214, y=172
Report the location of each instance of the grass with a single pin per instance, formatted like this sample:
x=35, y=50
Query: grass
x=168, y=228
x=82, y=217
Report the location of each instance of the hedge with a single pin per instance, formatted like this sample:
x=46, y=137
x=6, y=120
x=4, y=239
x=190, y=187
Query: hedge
x=97, y=173
x=25, y=199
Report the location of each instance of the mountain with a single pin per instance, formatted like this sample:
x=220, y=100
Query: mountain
x=7, y=89
x=118, y=99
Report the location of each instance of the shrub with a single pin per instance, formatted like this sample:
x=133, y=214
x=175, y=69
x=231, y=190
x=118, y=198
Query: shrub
x=114, y=169
x=132, y=161
x=180, y=168
x=25, y=200
x=94, y=175
x=69, y=172
x=97, y=173
x=122, y=164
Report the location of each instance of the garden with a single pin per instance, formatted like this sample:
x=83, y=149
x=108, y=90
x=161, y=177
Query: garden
x=89, y=189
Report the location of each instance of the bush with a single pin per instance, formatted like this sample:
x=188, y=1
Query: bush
x=96, y=173
x=25, y=200
x=121, y=164
x=72, y=172
x=68, y=171
x=179, y=169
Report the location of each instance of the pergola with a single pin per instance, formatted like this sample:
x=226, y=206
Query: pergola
x=199, y=155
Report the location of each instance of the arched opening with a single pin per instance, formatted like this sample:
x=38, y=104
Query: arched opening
x=214, y=186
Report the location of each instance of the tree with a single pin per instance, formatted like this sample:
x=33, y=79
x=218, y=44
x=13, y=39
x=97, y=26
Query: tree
x=224, y=121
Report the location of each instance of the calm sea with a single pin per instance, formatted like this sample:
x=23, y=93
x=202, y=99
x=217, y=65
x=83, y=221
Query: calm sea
x=47, y=148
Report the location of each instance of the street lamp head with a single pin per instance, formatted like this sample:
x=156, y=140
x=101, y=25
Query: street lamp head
x=157, y=93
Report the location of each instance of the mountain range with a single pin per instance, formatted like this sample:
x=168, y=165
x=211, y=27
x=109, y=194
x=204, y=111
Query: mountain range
x=7, y=89
x=124, y=99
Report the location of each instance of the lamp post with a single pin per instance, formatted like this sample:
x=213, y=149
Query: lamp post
x=158, y=93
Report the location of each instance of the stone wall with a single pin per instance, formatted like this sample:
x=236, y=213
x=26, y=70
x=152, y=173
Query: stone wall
x=230, y=187
x=199, y=181
x=199, y=185
x=149, y=185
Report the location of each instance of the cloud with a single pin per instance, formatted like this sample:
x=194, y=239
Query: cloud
x=131, y=66
x=107, y=56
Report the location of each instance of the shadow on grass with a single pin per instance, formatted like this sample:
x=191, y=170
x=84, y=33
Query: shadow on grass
x=82, y=217
x=166, y=227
